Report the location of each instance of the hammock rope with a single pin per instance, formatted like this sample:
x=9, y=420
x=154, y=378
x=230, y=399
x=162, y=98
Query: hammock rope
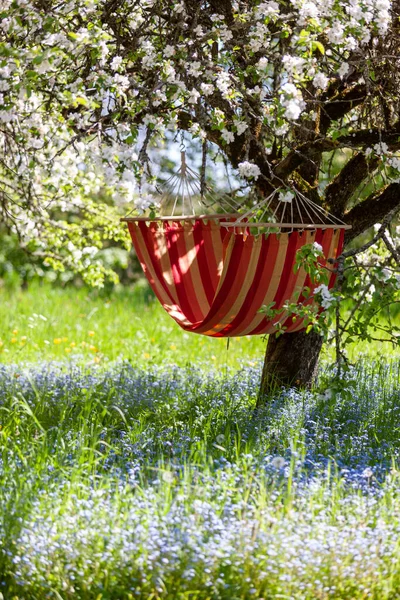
x=212, y=274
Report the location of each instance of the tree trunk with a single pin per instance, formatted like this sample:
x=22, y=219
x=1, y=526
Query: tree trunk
x=291, y=359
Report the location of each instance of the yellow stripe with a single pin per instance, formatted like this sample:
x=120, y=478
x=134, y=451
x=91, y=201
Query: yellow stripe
x=238, y=303
x=217, y=244
x=165, y=263
x=149, y=266
x=330, y=254
x=301, y=277
x=193, y=265
x=172, y=309
x=224, y=263
x=274, y=283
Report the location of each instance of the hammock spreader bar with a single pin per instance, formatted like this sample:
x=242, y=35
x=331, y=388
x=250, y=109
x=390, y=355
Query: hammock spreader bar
x=213, y=280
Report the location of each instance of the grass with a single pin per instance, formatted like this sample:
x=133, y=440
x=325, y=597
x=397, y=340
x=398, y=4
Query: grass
x=48, y=323
x=125, y=477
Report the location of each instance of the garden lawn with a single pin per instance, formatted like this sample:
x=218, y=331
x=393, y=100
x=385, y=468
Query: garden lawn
x=125, y=477
x=45, y=323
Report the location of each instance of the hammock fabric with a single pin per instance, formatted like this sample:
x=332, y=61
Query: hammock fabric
x=213, y=280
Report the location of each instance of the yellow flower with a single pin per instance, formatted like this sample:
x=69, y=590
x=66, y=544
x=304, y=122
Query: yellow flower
x=23, y=339
x=91, y=333
x=65, y=339
x=97, y=359
x=152, y=340
x=213, y=357
x=93, y=348
x=146, y=355
x=67, y=350
x=173, y=347
x=14, y=340
x=57, y=340
x=15, y=331
x=72, y=344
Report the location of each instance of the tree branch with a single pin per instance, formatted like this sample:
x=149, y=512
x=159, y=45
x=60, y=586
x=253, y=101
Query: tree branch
x=374, y=209
x=365, y=138
x=305, y=152
x=340, y=104
x=343, y=186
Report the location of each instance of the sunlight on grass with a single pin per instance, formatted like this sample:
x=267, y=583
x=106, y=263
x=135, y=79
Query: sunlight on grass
x=47, y=324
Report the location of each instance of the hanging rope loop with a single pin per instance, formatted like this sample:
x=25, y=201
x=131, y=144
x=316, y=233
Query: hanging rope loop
x=183, y=163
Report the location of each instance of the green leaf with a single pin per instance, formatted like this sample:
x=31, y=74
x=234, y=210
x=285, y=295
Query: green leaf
x=315, y=45
x=81, y=100
x=38, y=59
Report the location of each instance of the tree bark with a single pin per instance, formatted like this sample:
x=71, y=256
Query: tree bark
x=291, y=359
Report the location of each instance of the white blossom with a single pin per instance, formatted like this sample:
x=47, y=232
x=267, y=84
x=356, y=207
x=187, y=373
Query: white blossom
x=195, y=68
x=207, y=88
x=144, y=202
x=292, y=100
x=169, y=51
x=227, y=136
x=343, y=70
x=293, y=64
x=223, y=83
x=286, y=196
x=194, y=96
x=318, y=247
x=263, y=63
x=249, y=170
x=116, y=63
x=381, y=149
x=321, y=81
x=268, y=9
x=241, y=126
x=326, y=296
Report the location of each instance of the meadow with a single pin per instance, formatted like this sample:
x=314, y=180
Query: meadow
x=135, y=464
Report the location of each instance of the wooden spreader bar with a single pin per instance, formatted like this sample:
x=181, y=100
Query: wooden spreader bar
x=235, y=225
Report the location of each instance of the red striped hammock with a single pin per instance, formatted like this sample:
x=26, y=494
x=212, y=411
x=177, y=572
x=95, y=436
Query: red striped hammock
x=213, y=280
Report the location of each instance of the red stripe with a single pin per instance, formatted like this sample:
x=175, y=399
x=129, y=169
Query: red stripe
x=207, y=237
x=235, y=274
x=132, y=230
x=288, y=279
x=213, y=254
x=259, y=287
x=338, y=252
x=186, y=282
x=208, y=276
x=324, y=238
x=184, y=300
x=147, y=233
